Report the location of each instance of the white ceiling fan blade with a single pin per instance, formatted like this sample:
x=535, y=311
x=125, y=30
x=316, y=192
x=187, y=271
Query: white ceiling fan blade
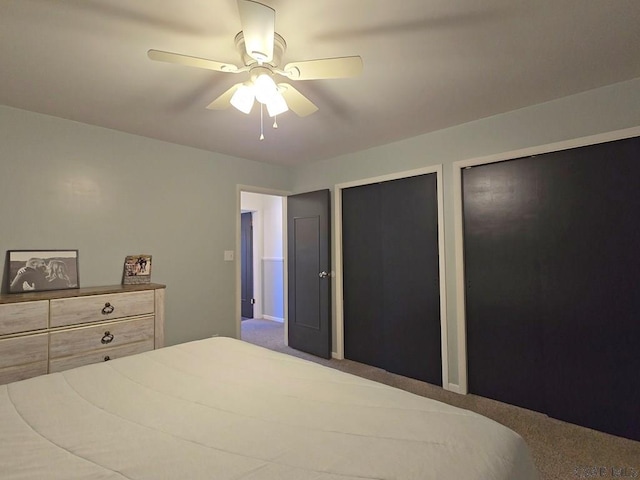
x=258, y=28
x=180, y=59
x=298, y=103
x=339, y=67
x=224, y=101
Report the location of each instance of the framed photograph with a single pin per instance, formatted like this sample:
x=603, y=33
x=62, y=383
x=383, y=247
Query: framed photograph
x=137, y=269
x=38, y=270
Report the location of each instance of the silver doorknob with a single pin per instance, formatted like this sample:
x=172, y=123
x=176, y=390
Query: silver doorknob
x=323, y=274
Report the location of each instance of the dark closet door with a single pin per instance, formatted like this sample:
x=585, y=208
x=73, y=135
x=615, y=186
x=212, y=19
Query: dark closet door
x=552, y=271
x=502, y=272
x=362, y=275
x=391, y=277
x=411, y=293
x=590, y=284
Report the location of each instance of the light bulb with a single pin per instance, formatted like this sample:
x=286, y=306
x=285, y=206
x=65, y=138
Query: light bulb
x=265, y=88
x=243, y=98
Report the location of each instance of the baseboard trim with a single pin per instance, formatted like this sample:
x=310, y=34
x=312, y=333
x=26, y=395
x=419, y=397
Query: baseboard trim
x=273, y=319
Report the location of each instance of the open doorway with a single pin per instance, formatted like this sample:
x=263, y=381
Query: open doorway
x=262, y=265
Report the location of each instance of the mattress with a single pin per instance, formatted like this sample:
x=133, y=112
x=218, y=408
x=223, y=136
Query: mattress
x=224, y=409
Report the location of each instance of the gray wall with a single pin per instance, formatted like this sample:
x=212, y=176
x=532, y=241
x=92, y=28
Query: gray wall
x=67, y=185
x=602, y=110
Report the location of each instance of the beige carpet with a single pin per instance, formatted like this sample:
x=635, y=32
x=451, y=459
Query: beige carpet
x=562, y=451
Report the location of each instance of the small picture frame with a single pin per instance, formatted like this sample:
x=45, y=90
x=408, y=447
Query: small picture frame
x=39, y=270
x=137, y=269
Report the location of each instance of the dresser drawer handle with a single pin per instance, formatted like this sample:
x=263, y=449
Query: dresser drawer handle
x=108, y=338
x=108, y=308
x=107, y=358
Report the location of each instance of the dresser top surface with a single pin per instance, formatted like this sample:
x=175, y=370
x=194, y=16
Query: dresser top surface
x=76, y=292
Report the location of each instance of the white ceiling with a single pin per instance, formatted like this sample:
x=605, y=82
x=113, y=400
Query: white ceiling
x=428, y=65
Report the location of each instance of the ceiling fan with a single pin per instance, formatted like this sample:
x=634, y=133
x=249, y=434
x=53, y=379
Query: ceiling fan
x=261, y=49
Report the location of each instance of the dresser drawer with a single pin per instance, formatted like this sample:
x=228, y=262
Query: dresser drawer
x=98, y=308
x=22, y=350
x=65, y=343
x=23, y=357
x=23, y=316
x=103, y=355
x=21, y=372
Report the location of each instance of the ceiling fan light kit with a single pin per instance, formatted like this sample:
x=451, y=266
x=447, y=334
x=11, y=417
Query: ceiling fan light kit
x=261, y=49
x=243, y=98
x=264, y=90
x=264, y=86
x=277, y=105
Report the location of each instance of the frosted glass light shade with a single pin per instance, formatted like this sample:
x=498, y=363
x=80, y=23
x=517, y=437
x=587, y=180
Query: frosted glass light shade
x=265, y=88
x=277, y=105
x=243, y=98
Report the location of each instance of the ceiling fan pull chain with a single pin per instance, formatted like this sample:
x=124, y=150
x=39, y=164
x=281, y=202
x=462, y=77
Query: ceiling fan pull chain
x=275, y=121
x=261, y=123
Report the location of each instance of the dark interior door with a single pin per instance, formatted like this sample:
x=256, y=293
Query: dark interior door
x=246, y=265
x=391, y=276
x=551, y=266
x=309, y=267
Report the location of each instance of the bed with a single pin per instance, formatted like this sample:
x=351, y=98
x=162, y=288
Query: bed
x=222, y=409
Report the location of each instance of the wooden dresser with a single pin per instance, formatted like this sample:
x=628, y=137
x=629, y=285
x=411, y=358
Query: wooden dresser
x=46, y=332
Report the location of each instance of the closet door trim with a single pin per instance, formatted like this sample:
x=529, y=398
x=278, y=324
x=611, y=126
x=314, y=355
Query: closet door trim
x=338, y=268
x=462, y=386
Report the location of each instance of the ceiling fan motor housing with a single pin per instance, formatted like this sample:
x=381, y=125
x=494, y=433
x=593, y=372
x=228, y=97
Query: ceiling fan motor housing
x=279, y=47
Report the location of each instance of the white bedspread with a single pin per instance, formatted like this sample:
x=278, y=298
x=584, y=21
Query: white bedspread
x=224, y=409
